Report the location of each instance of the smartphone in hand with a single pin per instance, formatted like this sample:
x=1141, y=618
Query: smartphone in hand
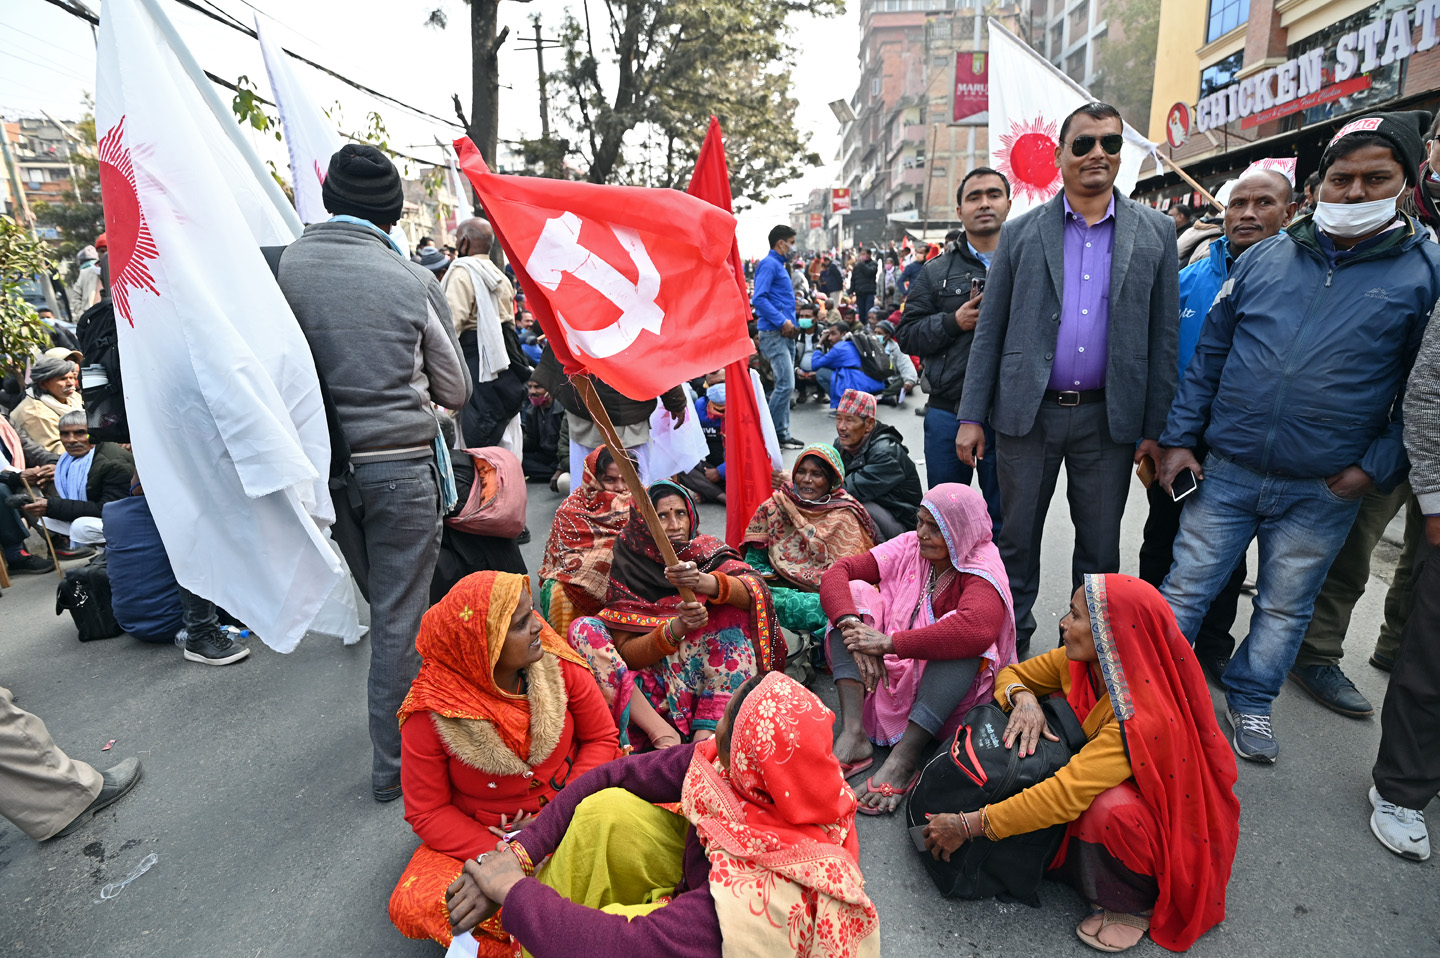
x=977, y=286
x=1185, y=483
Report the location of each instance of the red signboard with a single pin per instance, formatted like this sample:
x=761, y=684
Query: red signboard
x=839, y=201
x=817, y=221
x=1177, y=125
x=970, y=97
x=1333, y=92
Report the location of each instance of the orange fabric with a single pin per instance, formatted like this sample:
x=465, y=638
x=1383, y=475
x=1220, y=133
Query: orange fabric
x=417, y=905
x=779, y=829
x=460, y=641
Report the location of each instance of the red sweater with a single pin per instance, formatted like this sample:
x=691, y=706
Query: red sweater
x=979, y=611
x=450, y=803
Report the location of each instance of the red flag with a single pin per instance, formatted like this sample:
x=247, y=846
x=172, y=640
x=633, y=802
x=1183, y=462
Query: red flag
x=631, y=284
x=747, y=463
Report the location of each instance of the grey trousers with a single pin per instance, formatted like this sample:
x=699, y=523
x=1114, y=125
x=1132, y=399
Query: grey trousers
x=41, y=788
x=943, y=687
x=1097, y=483
x=387, y=524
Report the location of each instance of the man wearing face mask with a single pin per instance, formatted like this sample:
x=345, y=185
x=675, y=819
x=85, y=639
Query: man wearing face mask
x=1297, y=404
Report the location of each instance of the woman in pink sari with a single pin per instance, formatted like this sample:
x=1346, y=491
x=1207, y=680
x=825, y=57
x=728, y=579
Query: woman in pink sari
x=920, y=626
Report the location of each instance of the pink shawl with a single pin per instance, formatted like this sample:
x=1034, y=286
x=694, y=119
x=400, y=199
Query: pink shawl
x=964, y=523
x=12, y=442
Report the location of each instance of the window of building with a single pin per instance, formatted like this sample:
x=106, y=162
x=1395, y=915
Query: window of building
x=1080, y=19
x=1226, y=15
x=1057, y=38
x=1220, y=75
x=1075, y=65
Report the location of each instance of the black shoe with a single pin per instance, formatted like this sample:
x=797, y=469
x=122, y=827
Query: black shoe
x=29, y=564
x=386, y=794
x=790, y=442
x=74, y=552
x=1214, y=664
x=523, y=537
x=1382, y=662
x=118, y=780
x=215, y=649
x=1333, y=689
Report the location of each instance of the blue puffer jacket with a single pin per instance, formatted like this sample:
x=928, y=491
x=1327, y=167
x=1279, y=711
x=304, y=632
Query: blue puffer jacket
x=844, y=358
x=1199, y=283
x=1300, y=363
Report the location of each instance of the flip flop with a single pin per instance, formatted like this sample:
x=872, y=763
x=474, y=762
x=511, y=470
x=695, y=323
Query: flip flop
x=854, y=768
x=886, y=790
x=1114, y=918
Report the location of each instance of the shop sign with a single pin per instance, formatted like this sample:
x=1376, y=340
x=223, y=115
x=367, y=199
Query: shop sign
x=817, y=221
x=1301, y=82
x=839, y=201
x=1177, y=125
x=970, y=103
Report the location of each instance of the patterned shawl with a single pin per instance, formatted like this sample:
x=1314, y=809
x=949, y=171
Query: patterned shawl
x=582, y=537
x=803, y=539
x=460, y=641
x=779, y=830
x=640, y=597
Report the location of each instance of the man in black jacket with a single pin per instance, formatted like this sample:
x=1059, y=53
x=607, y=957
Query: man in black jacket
x=939, y=326
x=878, y=468
x=862, y=283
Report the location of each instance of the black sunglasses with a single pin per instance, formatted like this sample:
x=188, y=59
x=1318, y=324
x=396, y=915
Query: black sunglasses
x=1110, y=143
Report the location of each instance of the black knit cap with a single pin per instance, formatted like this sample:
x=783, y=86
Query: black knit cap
x=1405, y=132
x=363, y=182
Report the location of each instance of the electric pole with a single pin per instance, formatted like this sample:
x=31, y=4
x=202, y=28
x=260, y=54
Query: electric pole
x=541, y=45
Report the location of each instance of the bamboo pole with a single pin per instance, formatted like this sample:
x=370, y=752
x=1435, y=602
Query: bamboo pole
x=586, y=389
x=1187, y=178
x=54, y=559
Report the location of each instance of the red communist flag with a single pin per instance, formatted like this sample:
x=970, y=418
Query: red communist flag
x=747, y=463
x=631, y=284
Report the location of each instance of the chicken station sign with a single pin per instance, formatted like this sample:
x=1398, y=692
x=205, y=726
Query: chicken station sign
x=1304, y=81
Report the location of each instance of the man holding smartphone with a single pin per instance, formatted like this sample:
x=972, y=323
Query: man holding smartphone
x=1293, y=387
x=939, y=322
x=1260, y=204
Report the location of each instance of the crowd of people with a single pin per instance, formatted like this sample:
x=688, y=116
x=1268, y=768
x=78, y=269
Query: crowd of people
x=625, y=753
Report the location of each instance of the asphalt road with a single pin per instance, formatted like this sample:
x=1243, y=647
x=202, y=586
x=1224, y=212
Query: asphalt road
x=256, y=800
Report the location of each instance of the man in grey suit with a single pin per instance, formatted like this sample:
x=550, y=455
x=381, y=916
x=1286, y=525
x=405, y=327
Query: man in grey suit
x=1074, y=358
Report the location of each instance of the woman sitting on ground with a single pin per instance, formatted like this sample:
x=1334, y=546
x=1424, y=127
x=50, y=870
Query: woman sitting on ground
x=922, y=624
x=501, y=717
x=763, y=859
x=1152, y=818
x=575, y=571
x=803, y=529
x=685, y=659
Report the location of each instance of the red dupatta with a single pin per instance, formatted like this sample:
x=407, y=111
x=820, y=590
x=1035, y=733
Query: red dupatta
x=1181, y=762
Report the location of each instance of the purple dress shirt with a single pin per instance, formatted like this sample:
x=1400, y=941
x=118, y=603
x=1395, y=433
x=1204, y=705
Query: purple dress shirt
x=1082, y=346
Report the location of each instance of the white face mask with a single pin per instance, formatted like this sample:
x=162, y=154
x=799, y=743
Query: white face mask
x=1348, y=220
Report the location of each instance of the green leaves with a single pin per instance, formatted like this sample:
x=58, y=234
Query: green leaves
x=22, y=257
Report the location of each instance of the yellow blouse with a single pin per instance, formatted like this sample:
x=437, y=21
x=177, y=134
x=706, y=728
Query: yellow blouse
x=1101, y=764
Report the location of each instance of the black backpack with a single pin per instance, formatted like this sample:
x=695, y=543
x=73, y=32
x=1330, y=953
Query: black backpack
x=100, y=382
x=875, y=362
x=976, y=770
x=85, y=594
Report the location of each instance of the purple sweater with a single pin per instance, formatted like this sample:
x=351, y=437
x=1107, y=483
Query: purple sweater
x=549, y=926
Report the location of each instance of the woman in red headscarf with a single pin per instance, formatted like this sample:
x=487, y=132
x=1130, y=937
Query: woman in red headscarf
x=575, y=571
x=1152, y=818
x=763, y=859
x=501, y=717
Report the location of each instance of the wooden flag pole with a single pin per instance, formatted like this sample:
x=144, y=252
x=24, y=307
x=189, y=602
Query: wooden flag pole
x=1187, y=178
x=55, y=559
x=586, y=389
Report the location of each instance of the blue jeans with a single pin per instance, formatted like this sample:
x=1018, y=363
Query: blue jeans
x=942, y=465
x=1300, y=525
x=779, y=352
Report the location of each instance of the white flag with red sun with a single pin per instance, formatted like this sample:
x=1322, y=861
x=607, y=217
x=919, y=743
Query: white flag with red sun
x=221, y=394
x=1029, y=99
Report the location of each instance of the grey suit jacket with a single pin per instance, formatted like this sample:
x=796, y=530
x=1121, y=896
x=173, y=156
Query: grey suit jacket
x=1020, y=321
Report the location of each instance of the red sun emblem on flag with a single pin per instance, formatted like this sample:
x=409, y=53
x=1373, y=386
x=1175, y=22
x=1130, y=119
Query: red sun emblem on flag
x=1027, y=157
x=131, y=244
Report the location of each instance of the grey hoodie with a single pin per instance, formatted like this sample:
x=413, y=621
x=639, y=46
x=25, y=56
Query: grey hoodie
x=1422, y=419
x=381, y=334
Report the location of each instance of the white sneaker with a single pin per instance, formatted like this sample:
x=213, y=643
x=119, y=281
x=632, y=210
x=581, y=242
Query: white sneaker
x=1402, y=830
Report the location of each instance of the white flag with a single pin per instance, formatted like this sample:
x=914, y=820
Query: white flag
x=309, y=135
x=1029, y=99
x=457, y=186
x=221, y=394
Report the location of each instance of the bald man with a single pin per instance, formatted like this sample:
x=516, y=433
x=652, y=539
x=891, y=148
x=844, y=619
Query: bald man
x=485, y=324
x=1261, y=203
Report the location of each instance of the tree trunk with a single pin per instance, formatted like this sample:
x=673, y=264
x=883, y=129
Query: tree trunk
x=485, y=79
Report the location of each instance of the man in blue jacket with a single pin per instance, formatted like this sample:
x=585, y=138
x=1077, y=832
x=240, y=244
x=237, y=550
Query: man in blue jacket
x=1294, y=387
x=774, y=303
x=1260, y=205
x=837, y=366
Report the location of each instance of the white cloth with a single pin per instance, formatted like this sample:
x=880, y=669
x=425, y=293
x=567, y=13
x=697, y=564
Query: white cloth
x=486, y=277
x=641, y=455
x=309, y=135
x=675, y=450
x=513, y=438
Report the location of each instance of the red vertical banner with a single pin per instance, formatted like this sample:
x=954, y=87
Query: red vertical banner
x=747, y=463
x=839, y=200
x=970, y=96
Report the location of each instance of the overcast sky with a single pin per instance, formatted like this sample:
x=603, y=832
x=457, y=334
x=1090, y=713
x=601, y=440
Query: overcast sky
x=47, y=62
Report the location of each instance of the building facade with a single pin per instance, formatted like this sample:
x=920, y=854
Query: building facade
x=1241, y=80
x=44, y=153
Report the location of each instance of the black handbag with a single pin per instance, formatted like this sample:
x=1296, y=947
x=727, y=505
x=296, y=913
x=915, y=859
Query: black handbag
x=85, y=594
x=977, y=769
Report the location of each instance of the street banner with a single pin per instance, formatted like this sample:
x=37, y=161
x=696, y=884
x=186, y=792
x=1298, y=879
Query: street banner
x=1029, y=99
x=747, y=461
x=1284, y=165
x=310, y=136
x=817, y=221
x=629, y=283
x=223, y=402
x=970, y=96
x=839, y=200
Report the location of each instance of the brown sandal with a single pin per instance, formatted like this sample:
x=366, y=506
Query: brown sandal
x=1114, y=918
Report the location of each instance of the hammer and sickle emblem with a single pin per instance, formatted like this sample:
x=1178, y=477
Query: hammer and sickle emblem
x=558, y=251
